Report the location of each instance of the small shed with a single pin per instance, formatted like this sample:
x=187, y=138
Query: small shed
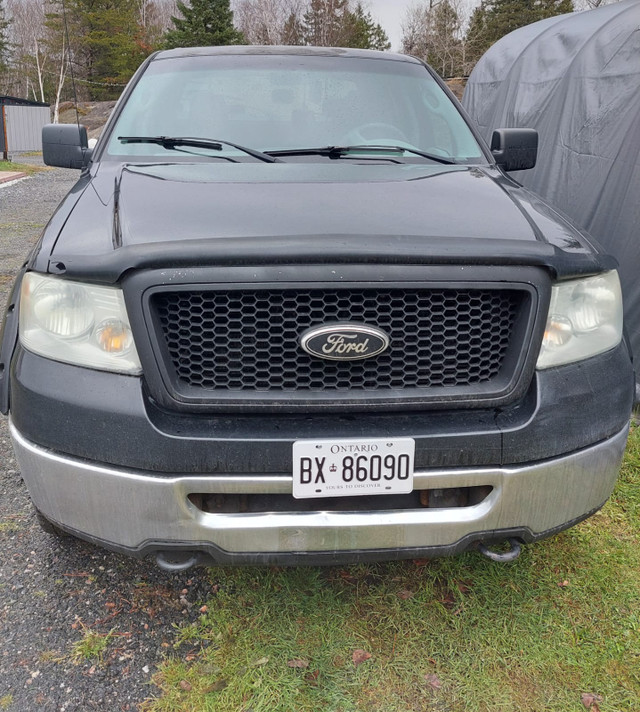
x=576, y=79
x=21, y=123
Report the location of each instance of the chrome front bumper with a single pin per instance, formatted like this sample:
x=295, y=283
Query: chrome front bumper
x=140, y=512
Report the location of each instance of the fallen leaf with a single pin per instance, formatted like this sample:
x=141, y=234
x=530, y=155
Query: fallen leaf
x=109, y=604
x=217, y=686
x=433, y=681
x=359, y=656
x=203, y=609
x=262, y=661
x=404, y=595
x=564, y=584
x=420, y=562
x=185, y=685
x=590, y=701
x=298, y=663
x=346, y=576
x=448, y=599
x=312, y=677
x=209, y=669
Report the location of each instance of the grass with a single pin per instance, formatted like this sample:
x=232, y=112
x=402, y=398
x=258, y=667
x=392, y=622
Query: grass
x=5, y=702
x=91, y=646
x=21, y=167
x=455, y=635
x=8, y=527
x=49, y=656
x=11, y=524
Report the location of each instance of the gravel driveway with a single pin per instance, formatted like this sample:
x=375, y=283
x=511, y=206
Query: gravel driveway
x=55, y=594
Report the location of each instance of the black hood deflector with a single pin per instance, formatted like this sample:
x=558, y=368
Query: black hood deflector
x=329, y=249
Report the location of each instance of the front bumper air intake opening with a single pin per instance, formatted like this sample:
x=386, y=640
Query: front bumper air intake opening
x=452, y=497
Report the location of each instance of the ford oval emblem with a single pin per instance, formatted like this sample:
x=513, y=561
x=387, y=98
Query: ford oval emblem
x=344, y=342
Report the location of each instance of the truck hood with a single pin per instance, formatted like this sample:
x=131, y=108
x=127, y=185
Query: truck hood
x=128, y=206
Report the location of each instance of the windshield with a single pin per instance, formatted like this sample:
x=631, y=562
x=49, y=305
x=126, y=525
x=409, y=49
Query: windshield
x=277, y=103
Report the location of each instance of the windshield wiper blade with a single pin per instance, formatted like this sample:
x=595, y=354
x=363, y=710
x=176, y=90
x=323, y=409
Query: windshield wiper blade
x=216, y=144
x=415, y=151
x=338, y=151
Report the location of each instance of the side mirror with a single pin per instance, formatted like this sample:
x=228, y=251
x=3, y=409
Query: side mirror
x=65, y=146
x=515, y=149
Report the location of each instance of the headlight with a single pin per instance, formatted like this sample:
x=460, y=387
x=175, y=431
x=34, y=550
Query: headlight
x=585, y=319
x=82, y=324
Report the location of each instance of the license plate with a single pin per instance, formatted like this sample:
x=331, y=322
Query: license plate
x=344, y=468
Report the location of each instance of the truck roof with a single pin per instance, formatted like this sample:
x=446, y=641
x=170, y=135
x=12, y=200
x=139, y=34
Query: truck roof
x=284, y=50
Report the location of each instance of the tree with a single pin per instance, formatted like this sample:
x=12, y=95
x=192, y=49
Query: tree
x=4, y=43
x=61, y=56
x=362, y=32
x=493, y=19
x=416, y=28
x=203, y=23
x=111, y=49
x=293, y=31
x=269, y=22
x=433, y=32
x=106, y=44
x=325, y=23
x=30, y=60
x=153, y=21
x=445, y=54
x=477, y=34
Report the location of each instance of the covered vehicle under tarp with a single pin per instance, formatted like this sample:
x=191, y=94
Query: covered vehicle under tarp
x=576, y=79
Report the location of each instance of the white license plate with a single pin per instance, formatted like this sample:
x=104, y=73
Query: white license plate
x=343, y=468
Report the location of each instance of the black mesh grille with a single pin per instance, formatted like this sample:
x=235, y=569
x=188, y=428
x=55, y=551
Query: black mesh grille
x=249, y=340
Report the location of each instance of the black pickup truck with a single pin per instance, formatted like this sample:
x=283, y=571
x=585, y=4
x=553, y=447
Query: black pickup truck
x=296, y=311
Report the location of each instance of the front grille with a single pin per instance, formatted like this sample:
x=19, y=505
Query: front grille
x=222, y=340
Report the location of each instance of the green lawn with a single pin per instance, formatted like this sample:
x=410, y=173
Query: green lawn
x=559, y=629
x=22, y=167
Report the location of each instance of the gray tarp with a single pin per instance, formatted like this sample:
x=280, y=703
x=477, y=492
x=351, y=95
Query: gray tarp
x=576, y=79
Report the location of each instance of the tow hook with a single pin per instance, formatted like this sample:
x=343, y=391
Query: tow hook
x=502, y=556
x=178, y=561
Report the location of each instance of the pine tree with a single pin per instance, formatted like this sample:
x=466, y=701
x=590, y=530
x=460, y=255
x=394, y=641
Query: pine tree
x=362, y=32
x=293, y=30
x=203, y=23
x=105, y=43
x=493, y=19
x=476, y=39
x=324, y=23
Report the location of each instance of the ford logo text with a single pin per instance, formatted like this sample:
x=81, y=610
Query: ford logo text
x=344, y=342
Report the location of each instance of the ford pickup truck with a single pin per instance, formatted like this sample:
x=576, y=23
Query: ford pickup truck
x=295, y=310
